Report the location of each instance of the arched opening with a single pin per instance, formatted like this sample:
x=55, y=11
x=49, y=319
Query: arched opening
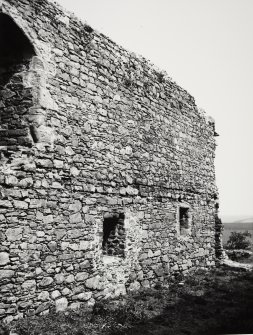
x=14, y=45
x=16, y=52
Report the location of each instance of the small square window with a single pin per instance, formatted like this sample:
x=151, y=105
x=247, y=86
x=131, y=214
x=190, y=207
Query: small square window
x=184, y=220
x=114, y=235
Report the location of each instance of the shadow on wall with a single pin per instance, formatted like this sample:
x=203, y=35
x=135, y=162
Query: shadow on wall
x=15, y=46
x=16, y=52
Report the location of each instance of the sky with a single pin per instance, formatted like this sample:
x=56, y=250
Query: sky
x=206, y=46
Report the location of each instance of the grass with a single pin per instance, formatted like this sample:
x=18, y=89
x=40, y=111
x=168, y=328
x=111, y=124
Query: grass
x=216, y=302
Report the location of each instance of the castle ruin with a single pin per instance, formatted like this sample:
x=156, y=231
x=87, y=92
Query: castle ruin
x=107, y=180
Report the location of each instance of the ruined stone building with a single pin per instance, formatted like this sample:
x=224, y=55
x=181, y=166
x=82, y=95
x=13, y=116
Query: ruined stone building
x=107, y=180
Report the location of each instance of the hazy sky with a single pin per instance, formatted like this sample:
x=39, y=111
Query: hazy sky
x=206, y=46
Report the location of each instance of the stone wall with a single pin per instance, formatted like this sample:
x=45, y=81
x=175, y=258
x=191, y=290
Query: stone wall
x=106, y=134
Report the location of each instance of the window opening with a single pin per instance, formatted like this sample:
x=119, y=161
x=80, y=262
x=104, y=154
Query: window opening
x=184, y=220
x=114, y=235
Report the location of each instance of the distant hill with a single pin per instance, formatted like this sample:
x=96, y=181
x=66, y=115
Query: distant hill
x=239, y=225
x=236, y=218
x=248, y=220
x=242, y=222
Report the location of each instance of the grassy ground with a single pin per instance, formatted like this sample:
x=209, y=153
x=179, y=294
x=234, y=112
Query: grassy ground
x=248, y=260
x=220, y=302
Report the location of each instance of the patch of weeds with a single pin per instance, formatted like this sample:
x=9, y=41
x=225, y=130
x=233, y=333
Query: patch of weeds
x=160, y=77
x=88, y=29
x=123, y=311
x=69, y=323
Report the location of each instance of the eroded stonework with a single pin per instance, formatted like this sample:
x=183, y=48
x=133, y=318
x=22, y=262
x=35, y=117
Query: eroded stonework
x=107, y=179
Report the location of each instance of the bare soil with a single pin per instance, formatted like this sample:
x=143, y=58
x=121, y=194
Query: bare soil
x=215, y=302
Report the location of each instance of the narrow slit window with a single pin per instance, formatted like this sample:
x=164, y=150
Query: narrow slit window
x=114, y=235
x=184, y=220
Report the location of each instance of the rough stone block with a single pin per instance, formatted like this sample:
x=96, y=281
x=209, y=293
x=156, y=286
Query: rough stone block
x=42, y=308
x=11, y=180
x=85, y=264
x=75, y=218
x=84, y=245
x=92, y=283
x=61, y=304
x=14, y=234
x=4, y=274
x=43, y=296
x=82, y=276
x=55, y=294
x=85, y=296
x=48, y=219
x=52, y=246
x=46, y=281
x=75, y=207
x=4, y=258
x=59, y=278
x=29, y=285
x=5, y=204
x=20, y=204
x=44, y=163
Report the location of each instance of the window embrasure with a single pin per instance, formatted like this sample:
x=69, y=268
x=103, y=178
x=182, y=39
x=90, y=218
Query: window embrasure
x=114, y=235
x=184, y=219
